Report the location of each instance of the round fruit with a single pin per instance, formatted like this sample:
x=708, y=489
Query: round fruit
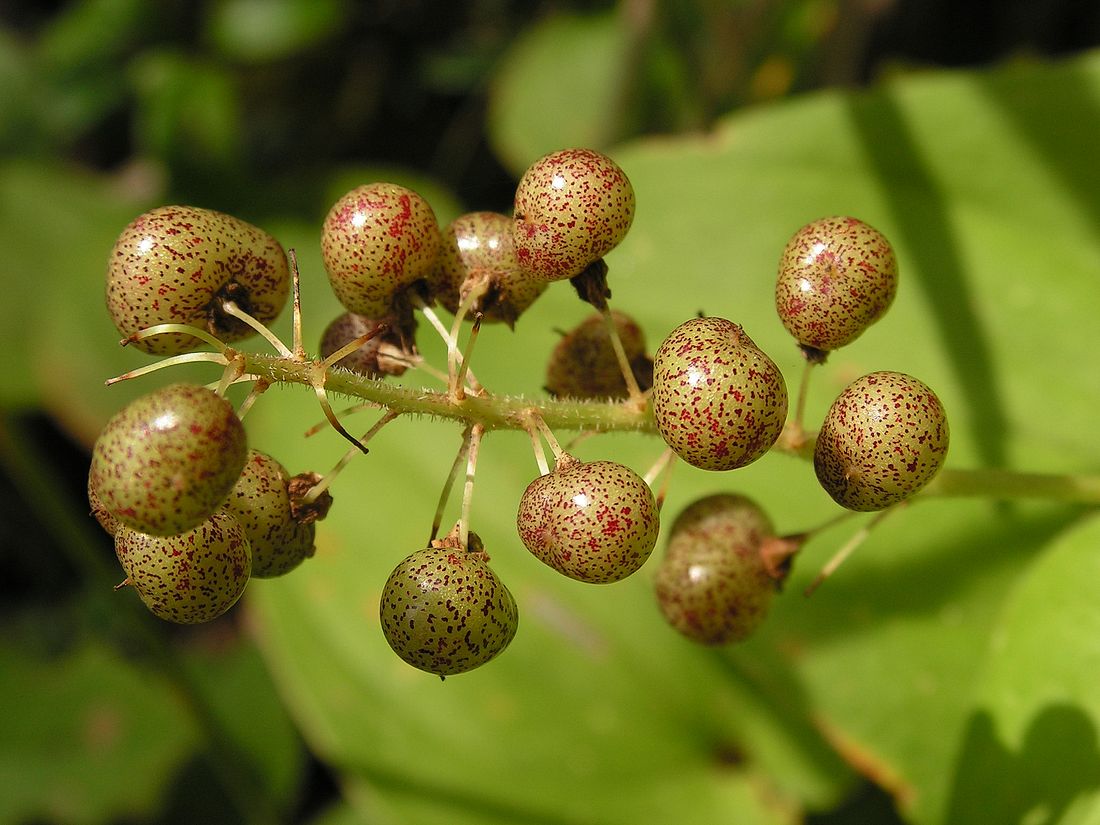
x=712, y=585
x=837, y=276
x=883, y=439
x=478, y=254
x=260, y=503
x=583, y=364
x=385, y=354
x=445, y=611
x=592, y=521
x=177, y=264
x=105, y=519
x=192, y=577
x=377, y=240
x=719, y=402
x=572, y=207
x=166, y=461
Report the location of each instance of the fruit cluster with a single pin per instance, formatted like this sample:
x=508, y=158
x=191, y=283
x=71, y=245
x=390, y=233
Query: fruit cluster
x=195, y=512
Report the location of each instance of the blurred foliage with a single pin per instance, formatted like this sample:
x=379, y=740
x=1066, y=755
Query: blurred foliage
x=921, y=686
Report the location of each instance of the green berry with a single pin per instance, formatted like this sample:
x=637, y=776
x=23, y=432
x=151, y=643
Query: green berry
x=192, y=577
x=386, y=354
x=177, y=264
x=883, y=439
x=445, y=611
x=166, y=461
x=837, y=276
x=719, y=402
x=105, y=519
x=478, y=254
x=376, y=242
x=583, y=364
x=260, y=502
x=592, y=521
x=712, y=585
x=572, y=207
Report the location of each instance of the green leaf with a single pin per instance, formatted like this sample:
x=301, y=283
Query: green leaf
x=264, y=30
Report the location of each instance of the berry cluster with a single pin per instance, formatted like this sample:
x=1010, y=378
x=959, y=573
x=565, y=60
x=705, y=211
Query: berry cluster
x=195, y=512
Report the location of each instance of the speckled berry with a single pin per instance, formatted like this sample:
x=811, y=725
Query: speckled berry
x=719, y=402
x=837, y=276
x=177, y=264
x=445, y=611
x=192, y=577
x=388, y=353
x=376, y=241
x=712, y=585
x=261, y=504
x=883, y=439
x=572, y=207
x=583, y=364
x=168, y=459
x=479, y=255
x=591, y=521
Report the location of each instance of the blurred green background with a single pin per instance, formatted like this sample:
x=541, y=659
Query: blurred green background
x=946, y=675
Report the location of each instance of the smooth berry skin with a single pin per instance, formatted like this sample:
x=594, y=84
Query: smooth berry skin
x=595, y=522
x=109, y=523
x=718, y=401
x=188, y=578
x=583, y=364
x=176, y=264
x=711, y=585
x=369, y=360
x=478, y=253
x=166, y=461
x=444, y=610
x=837, y=276
x=884, y=437
x=260, y=503
x=376, y=241
x=571, y=208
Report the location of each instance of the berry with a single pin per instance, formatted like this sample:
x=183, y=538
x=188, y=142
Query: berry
x=712, y=585
x=583, y=364
x=188, y=578
x=166, y=461
x=260, y=502
x=837, y=276
x=177, y=264
x=719, y=402
x=572, y=207
x=386, y=354
x=478, y=253
x=445, y=611
x=105, y=519
x=592, y=521
x=883, y=439
x=378, y=240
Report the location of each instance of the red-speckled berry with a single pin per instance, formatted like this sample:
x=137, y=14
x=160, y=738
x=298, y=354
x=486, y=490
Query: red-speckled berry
x=712, y=585
x=192, y=577
x=719, y=402
x=445, y=611
x=105, y=519
x=572, y=207
x=583, y=364
x=837, y=276
x=166, y=461
x=592, y=521
x=376, y=241
x=883, y=439
x=177, y=264
x=260, y=502
x=388, y=353
x=478, y=254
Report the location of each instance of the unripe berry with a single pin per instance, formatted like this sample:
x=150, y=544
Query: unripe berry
x=445, y=611
x=188, y=578
x=177, y=264
x=376, y=241
x=837, y=276
x=883, y=439
x=719, y=402
x=583, y=364
x=108, y=522
x=592, y=521
x=166, y=461
x=712, y=584
x=572, y=207
x=386, y=354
